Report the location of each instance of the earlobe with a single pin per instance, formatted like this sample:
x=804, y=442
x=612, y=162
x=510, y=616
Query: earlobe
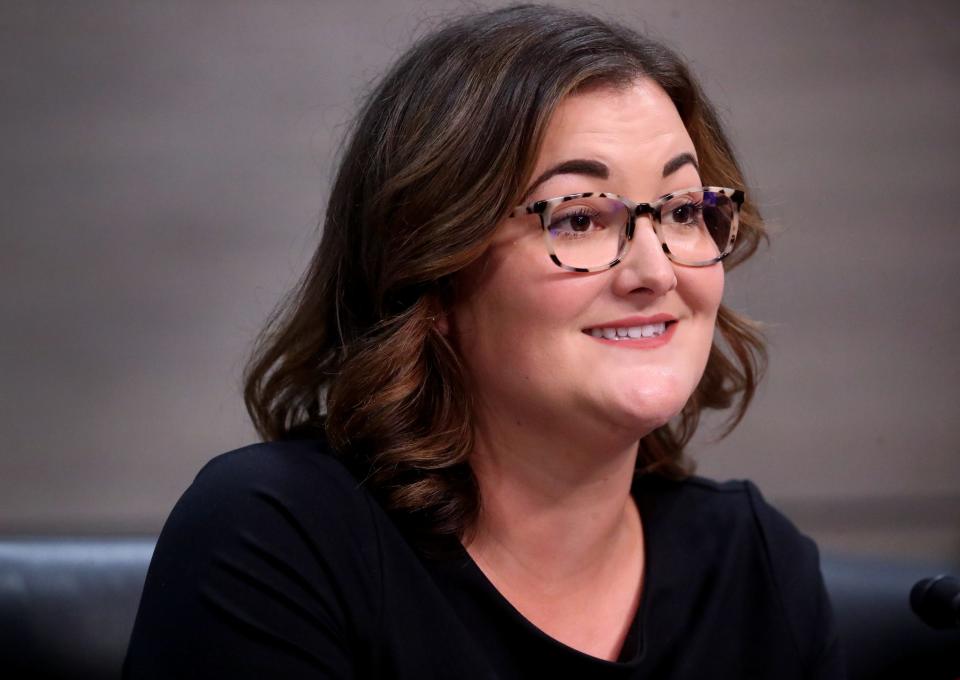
x=441, y=323
x=441, y=304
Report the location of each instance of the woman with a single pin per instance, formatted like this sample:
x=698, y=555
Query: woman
x=477, y=400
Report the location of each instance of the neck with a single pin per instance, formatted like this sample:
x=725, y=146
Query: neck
x=555, y=508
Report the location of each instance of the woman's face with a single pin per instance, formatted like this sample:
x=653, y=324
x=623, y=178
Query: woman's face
x=525, y=329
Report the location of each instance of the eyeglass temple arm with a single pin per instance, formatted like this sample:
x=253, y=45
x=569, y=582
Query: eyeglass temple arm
x=529, y=209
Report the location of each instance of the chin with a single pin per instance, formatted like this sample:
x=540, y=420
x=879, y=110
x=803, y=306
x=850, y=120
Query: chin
x=647, y=409
x=649, y=420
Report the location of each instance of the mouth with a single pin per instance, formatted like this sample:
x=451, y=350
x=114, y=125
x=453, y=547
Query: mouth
x=633, y=332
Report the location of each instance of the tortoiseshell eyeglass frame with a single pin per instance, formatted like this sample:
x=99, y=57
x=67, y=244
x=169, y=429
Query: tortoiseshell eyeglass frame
x=544, y=208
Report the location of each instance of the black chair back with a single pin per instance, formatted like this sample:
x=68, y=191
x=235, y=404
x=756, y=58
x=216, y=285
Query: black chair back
x=67, y=605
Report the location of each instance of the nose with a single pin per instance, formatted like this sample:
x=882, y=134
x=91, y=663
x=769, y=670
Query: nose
x=645, y=267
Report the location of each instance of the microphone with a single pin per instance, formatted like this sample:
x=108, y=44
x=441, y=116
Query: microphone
x=937, y=601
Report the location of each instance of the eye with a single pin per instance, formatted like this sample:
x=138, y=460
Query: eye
x=579, y=222
x=683, y=212
x=576, y=223
x=686, y=213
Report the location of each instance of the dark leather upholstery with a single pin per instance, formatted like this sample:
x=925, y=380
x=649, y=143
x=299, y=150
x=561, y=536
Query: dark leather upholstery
x=67, y=607
x=882, y=638
x=67, y=604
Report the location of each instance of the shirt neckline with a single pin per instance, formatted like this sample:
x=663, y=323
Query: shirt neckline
x=638, y=628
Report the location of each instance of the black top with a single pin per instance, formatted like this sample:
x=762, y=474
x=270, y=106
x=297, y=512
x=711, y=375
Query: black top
x=276, y=563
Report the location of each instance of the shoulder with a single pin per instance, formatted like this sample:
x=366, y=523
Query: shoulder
x=300, y=463
x=288, y=468
x=740, y=505
x=734, y=523
x=268, y=491
x=272, y=555
x=740, y=518
x=733, y=505
x=722, y=508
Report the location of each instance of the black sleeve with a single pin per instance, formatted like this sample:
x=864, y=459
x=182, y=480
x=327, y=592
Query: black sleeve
x=794, y=563
x=267, y=567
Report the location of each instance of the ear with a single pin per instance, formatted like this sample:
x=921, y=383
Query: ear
x=442, y=323
x=441, y=303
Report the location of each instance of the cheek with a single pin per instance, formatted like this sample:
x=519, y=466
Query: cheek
x=702, y=289
x=519, y=292
x=702, y=292
x=520, y=319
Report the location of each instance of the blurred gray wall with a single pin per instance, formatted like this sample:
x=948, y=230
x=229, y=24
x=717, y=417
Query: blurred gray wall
x=165, y=165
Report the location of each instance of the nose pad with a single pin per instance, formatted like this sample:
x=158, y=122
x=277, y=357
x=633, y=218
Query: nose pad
x=645, y=265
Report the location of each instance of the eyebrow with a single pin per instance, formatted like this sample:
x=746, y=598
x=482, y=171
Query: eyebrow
x=576, y=166
x=582, y=166
x=678, y=161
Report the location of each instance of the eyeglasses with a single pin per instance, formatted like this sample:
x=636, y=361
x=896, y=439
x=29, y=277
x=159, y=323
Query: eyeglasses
x=592, y=231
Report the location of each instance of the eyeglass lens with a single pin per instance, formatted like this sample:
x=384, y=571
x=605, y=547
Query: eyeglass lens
x=591, y=231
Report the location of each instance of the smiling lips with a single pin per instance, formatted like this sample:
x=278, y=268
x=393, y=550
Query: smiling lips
x=636, y=332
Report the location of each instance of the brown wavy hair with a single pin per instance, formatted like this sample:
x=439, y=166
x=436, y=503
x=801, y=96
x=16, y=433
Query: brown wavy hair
x=440, y=152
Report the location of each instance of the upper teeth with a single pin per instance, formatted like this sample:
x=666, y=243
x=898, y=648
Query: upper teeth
x=645, y=331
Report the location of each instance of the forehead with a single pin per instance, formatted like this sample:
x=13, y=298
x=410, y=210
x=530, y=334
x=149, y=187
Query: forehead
x=632, y=129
